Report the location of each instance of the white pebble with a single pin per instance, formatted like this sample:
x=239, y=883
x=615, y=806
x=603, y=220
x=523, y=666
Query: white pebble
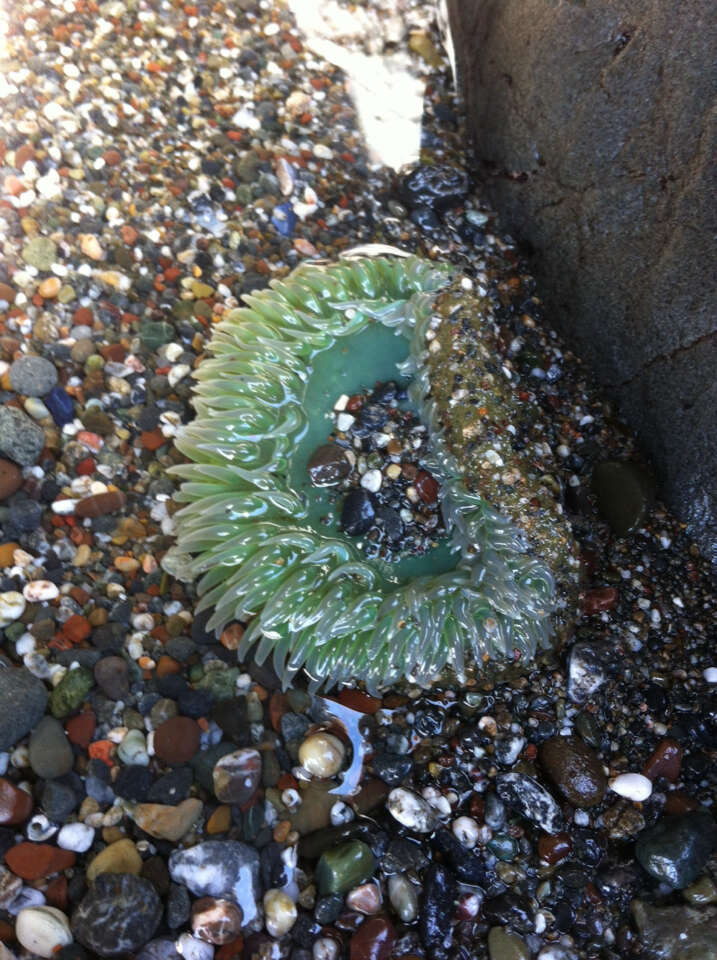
x=325, y=948
x=465, y=830
x=192, y=949
x=341, y=813
x=41, y=930
x=633, y=786
x=38, y=590
x=340, y=404
x=411, y=810
x=371, y=480
x=177, y=373
x=64, y=507
x=710, y=674
x=12, y=607
x=76, y=836
x=280, y=912
x=344, y=421
x=322, y=755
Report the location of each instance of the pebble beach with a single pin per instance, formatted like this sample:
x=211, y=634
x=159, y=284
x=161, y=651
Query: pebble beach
x=160, y=798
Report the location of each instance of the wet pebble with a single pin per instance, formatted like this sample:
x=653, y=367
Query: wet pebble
x=345, y=866
x=220, y=868
x=358, y=512
x=322, y=755
x=33, y=376
x=410, y=810
x=436, y=910
x=527, y=797
x=215, y=920
x=118, y=915
x=236, y=776
x=328, y=465
x=676, y=849
x=374, y=940
x=280, y=912
x=575, y=770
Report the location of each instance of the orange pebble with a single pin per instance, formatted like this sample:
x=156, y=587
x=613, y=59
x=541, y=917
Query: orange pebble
x=102, y=750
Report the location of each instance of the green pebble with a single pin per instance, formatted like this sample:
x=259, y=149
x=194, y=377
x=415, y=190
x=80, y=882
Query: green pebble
x=201, y=290
x=183, y=309
x=66, y=294
x=71, y=691
x=40, y=252
x=154, y=334
x=344, y=867
x=221, y=683
x=15, y=630
x=503, y=847
x=94, y=362
x=623, y=493
x=506, y=946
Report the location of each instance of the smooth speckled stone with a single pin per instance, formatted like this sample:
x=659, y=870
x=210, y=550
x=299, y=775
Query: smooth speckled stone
x=50, y=751
x=344, y=867
x=216, y=921
x=71, y=691
x=404, y=897
x=220, y=868
x=676, y=849
x=176, y=740
x=41, y=930
x=574, y=769
x=676, y=932
x=21, y=439
x=374, y=940
x=503, y=945
x=527, y=797
x=118, y=914
x=236, y=776
x=22, y=704
x=40, y=252
x=32, y=376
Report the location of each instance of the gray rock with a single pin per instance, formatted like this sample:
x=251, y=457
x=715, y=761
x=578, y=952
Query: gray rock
x=594, y=126
x=21, y=439
x=162, y=948
x=220, y=868
x=527, y=797
x=117, y=915
x=676, y=933
x=586, y=671
x=32, y=376
x=676, y=849
x=50, y=750
x=22, y=704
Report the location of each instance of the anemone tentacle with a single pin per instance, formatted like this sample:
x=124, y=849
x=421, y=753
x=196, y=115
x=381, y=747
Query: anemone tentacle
x=315, y=600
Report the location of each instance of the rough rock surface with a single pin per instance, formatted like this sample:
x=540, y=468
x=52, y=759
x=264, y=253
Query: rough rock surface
x=594, y=125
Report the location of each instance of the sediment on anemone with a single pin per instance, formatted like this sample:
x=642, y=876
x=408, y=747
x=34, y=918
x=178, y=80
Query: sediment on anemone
x=258, y=544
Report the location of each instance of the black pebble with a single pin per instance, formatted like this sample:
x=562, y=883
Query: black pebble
x=358, y=512
x=436, y=914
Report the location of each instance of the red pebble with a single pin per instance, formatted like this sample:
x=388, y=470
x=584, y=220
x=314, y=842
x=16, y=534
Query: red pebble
x=80, y=729
x=602, y=598
x=33, y=861
x=15, y=804
x=664, y=761
x=354, y=403
x=427, y=487
x=374, y=940
x=86, y=467
x=176, y=740
x=554, y=847
x=76, y=628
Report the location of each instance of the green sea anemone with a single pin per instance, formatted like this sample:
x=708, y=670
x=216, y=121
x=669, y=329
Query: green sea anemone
x=259, y=541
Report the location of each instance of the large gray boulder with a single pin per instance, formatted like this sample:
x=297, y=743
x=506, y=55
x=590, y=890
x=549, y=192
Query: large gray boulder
x=594, y=126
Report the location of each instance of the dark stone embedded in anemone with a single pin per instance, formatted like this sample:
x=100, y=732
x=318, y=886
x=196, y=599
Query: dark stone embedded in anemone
x=328, y=465
x=358, y=512
x=371, y=417
x=436, y=914
x=427, y=487
x=440, y=186
x=389, y=520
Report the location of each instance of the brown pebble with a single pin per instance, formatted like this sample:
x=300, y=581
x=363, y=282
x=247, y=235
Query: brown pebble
x=216, y=921
x=600, y=599
x=7, y=293
x=10, y=479
x=554, y=848
x=664, y=761
x=575, y=769
x=176, y=740
x=100, y=503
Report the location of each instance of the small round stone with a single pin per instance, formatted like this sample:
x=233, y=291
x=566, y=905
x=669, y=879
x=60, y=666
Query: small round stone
x=10, y=478
x=236, y=776
x=575, y=770
x=78, y=837
x=328, y=465
x=632, y=786
x=121, y=856
x=322, y=755
x=216, y=921
x=42, y=930
x=32, y=376
x=15, y=804
x=411, y=810
x=50, y=751
x=280, y=912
